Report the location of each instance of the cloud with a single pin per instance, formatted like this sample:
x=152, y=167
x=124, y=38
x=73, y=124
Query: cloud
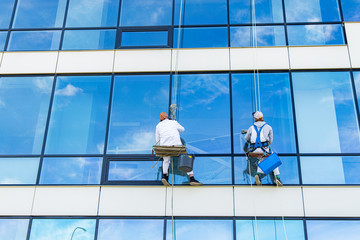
x=2, y=103
x=44, y=84
x=240, y=37
x=139, y=141
x=69, y=91
x=320, y=34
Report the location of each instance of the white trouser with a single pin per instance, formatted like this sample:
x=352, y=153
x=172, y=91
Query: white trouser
x=166, y=164
x=275, y=171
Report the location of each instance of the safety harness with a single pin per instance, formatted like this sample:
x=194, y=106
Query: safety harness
x=258, y=143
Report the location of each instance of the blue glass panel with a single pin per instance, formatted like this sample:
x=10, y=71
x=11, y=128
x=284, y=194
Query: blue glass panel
x=13, y=229
x=325, y=113
x=34, y=41
x=146, y=12
x=357, y=85
x=89, y=13
x=18, y=170
x=6, y=10
x=312, y=10
x=200, y=229
x=201, y=12
x=39, y=14
x=265, y=36
x=114, y=229
x=351, y=10
x=275, y=102
x=334, y=170
x=24, y=104
x=315, y=35
x=270, y=229
x=289, y=172
x=71, y=171
x=266, y=11
x=136, y=105
x=3, y=36
x=201, y=37
x=204, y=111
x=130, y=39
x=79, y=113
x=134, y=171
x=208, y=170
x=332, y=229
x=89, y=39
x=60, y=229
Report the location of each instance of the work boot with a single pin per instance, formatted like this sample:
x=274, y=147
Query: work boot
x=277, y=181
x=258, y=178
x=165, y=180
x=194, y=182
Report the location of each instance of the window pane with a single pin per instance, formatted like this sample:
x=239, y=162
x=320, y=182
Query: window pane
x=332, y=229
x=334, y=170
x=134, y=171
x=289, y=172
x=267, y=11
x=351, y=10
x=34, y=41
x=89, y=13
x=18, y=170
x=204, y=111
x=39, y=13
x=89, y=39
x=13, y=229
x=60, y=229
x=131, y=39
x=275, y=101
x=79, y=113
x=357, y=85
x=265, y=36
x=312, y=10
x=146, y=12
x=201, y=37
x=24, y=105
x=6, y=10
x=315, y=35
x=3, y=36
x=114, y=229
x=270, y=229
x=201, y=12
x=200, y=229
x=136, y=105
x=71, y=171
x=325, y=113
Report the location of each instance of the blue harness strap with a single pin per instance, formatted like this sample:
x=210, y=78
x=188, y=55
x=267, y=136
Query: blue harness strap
x=258, y=143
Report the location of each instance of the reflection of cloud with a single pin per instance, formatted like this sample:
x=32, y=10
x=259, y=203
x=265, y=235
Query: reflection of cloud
x=69, y=91
x=43, y=84
x=2, y=103
x=303, y=11
x=135, y=141
x=240, y=37
x=320, y=34
x=10, y=181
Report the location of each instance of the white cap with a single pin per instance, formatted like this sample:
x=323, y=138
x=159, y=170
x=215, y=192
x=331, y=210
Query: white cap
x=258, y=115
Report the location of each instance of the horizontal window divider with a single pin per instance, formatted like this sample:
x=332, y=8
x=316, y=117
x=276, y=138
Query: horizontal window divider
x=328, y=154
x=20, y=156
x=201, y=26
x=71, y=155
x=330, y=185
x=68, y=185
x=90, y=28
x=145, y=29
x=257, y=24
x=312, y=23
x=133, y=183
x=144, y=47
x=34, y=29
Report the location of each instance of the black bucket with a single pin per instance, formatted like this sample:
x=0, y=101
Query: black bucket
x=186, y=162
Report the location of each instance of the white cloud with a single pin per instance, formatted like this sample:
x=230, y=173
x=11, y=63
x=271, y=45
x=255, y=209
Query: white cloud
x=43, y=84
x=70, y=90
x=135, y=142
x=2, y=103
x=320, y=34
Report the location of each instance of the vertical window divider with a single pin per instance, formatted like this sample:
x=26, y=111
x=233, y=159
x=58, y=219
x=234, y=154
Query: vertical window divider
x=231, y=130
x=97, y=219
x=29, y=228
x=64, y=24
x=164, y=228
x=10, y=25
x=118, y=30
x=355, y=96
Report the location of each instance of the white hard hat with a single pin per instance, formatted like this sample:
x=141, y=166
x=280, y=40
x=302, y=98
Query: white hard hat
x=258, y=115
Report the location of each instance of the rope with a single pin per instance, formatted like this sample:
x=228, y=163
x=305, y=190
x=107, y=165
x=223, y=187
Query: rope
x=256, y=70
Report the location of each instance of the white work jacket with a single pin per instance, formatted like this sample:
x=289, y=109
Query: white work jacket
x=168, y=133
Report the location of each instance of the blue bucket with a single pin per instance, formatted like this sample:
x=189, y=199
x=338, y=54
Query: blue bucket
x=270, y=163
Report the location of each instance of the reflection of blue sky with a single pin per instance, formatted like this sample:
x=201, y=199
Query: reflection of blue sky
x=24, y=103
x=2, y=40
x=79, y=113
x=147, y=12
x=201, y=229
x=93, y=13
x=265, y=36
x=34, y=41
x=202, y=37
x=357, y=85
x=134, y=171
x=61, y=229
x=201, y=12
x=332, y=229
x=136, y=105
x=71, y=171
x=157, y=38
x=6, y=9
x=139, y=229
x=13, y=229
x=89, y=39
x=351, y=10
x=18, y=170
x=39, y=13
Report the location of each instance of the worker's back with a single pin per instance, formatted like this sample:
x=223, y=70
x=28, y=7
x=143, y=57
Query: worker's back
x=167, y=133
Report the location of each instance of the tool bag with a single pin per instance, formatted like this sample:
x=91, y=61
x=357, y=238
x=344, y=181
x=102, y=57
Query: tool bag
x=270, y=163
x=186, y=162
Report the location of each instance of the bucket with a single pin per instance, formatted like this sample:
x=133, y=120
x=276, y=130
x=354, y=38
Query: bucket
x=270, y=163
x=186, y=162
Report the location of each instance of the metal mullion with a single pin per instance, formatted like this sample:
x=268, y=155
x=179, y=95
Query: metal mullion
x=10, y=25
x=29, y=228
x=118, y=30
x=64, y=24
x=355, y=97
x=231, y=130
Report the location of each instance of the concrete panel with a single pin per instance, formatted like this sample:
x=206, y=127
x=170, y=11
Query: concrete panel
x=268, y=201
x=28, y=62
x=142, y=60
x=85, y=61
x=16, y=200
x=200, y=201
x=353, y=38
x=332, y=201
x=132, y=201
x=200, y=59
x=259, y=58
x=319, y=57
x=70, y=201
